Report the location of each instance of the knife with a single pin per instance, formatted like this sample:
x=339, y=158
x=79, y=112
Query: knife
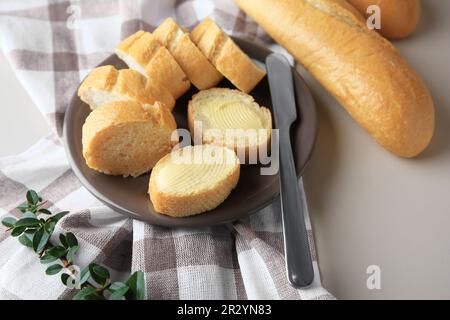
x=296, y=246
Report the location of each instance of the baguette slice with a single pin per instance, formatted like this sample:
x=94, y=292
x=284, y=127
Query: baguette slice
x=193, y=180
x=106, y=84
x=127, y=138
x=226, y=56
x=143, y=53
x=361, y=69
x=230, y=118
x=199, y=70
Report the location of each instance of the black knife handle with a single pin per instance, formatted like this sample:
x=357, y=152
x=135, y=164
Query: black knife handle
x=297, y=254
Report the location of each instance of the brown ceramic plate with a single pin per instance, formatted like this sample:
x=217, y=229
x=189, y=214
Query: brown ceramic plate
x=253, y=192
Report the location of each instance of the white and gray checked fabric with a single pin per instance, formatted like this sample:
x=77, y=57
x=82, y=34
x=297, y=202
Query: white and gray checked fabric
x=52, y=45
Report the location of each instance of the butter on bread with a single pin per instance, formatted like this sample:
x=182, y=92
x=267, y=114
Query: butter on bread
x=197, y=67
x=361, y=69
x=230, y=118
x=106, y=84
x=143, y=53
x=193, y=180
x=226, y=56
x=127, y=138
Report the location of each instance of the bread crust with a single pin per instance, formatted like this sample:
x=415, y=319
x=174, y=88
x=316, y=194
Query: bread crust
x=362, y=70
x=100, y=124
x=142, y=52
x=226, y=56
x=399, y=18
x=197, y=67
x=125, y=84
x=190, y=203
x=250, y=102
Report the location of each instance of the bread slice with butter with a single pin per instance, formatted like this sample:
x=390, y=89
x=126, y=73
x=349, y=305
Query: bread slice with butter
x=193, y=180
x=127, y=138
x=143, y=53
x=106, y=84
x=231, y=118
x=199, y=70
x=226, y=56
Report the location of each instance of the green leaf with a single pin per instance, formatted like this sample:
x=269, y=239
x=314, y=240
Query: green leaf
x=84, y=275
x=32, y=197
x=71, y=253
x=118, y=290
x=137, y=286
x=40, y=239
x=53, y=269
x=88, y=293
x=71, y=239
x=30, y=230
x=63, y=240
x=50, y=226
x=58, y=216
x=27, y=222
x=17, y=231
x=26, y=241
x=46, y=258
x=23, y=207
x=58, y=251
x=45, y=211
x=9, y=222
x=28, y=214
x=99, y=273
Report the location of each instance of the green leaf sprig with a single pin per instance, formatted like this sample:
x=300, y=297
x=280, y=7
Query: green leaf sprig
x=34, y=230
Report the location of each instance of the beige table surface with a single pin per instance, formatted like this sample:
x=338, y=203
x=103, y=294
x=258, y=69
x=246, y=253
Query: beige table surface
x=367, y=206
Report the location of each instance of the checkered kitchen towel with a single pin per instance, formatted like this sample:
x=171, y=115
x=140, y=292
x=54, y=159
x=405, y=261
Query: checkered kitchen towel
x=52, y=45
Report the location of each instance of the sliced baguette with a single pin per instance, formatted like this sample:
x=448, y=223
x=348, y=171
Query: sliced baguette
x=127, y=138
x=143, y=53
x=193, y=180
x=106, y=84
x=197, y=67
x=226, y=56
x=213, y=113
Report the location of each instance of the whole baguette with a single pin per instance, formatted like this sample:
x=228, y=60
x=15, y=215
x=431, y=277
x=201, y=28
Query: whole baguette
x=399, y=18
x=363, y=70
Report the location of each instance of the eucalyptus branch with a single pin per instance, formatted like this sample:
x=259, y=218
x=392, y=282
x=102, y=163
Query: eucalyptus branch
x=34, y=230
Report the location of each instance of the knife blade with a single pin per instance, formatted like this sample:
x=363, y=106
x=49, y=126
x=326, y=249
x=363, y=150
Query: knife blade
x=299, y=267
